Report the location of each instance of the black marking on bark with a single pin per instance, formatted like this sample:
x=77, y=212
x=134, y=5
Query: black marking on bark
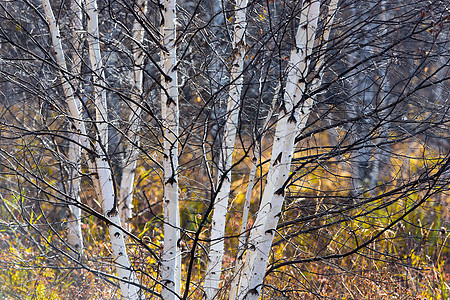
x=113, y=212
x=170, y=101
x=283, y=107
x=278, y=159
x=167, y=282
x=292, y=119
x=167, y=78
x=166, y=51
x=253, y=291
x=224, y=177
x=120, y=253
x=302, y=80
x=302, y=107
x=280, y=191
x=117, y=234
x=254, y=159
x=171, y=180
x=270, y=231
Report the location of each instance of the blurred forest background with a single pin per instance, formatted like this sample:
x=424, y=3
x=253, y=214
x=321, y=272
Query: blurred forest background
x=365, y=210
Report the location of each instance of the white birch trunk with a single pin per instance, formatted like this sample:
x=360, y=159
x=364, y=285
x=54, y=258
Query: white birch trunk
x=318, y=68
x=106, y=188
x=132, y=152
x=273, y=196
x=216, y=250
x=73, y=103
x=248, y=195
x=243, y=234
x=171, y=258
x=101, y=114
x=74, y=235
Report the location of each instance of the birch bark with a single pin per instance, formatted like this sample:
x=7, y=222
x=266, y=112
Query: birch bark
x=106, y=188
x=259, y=260
x=108, y=196
x=74, y=235
x=273, y=196
x=215, y=256
x=73, y=103
x=171, y=258
x=103, y=184
x=132, y=152
x=248, y=195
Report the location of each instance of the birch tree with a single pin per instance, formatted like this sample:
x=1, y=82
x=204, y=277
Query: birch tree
x=272, y=201
x=243, y=238
x=296, y=79
x=131, y=156
x=171, y=258
x=216, y=250
x=74, y=236
x=107, y=194
x=105, y=190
